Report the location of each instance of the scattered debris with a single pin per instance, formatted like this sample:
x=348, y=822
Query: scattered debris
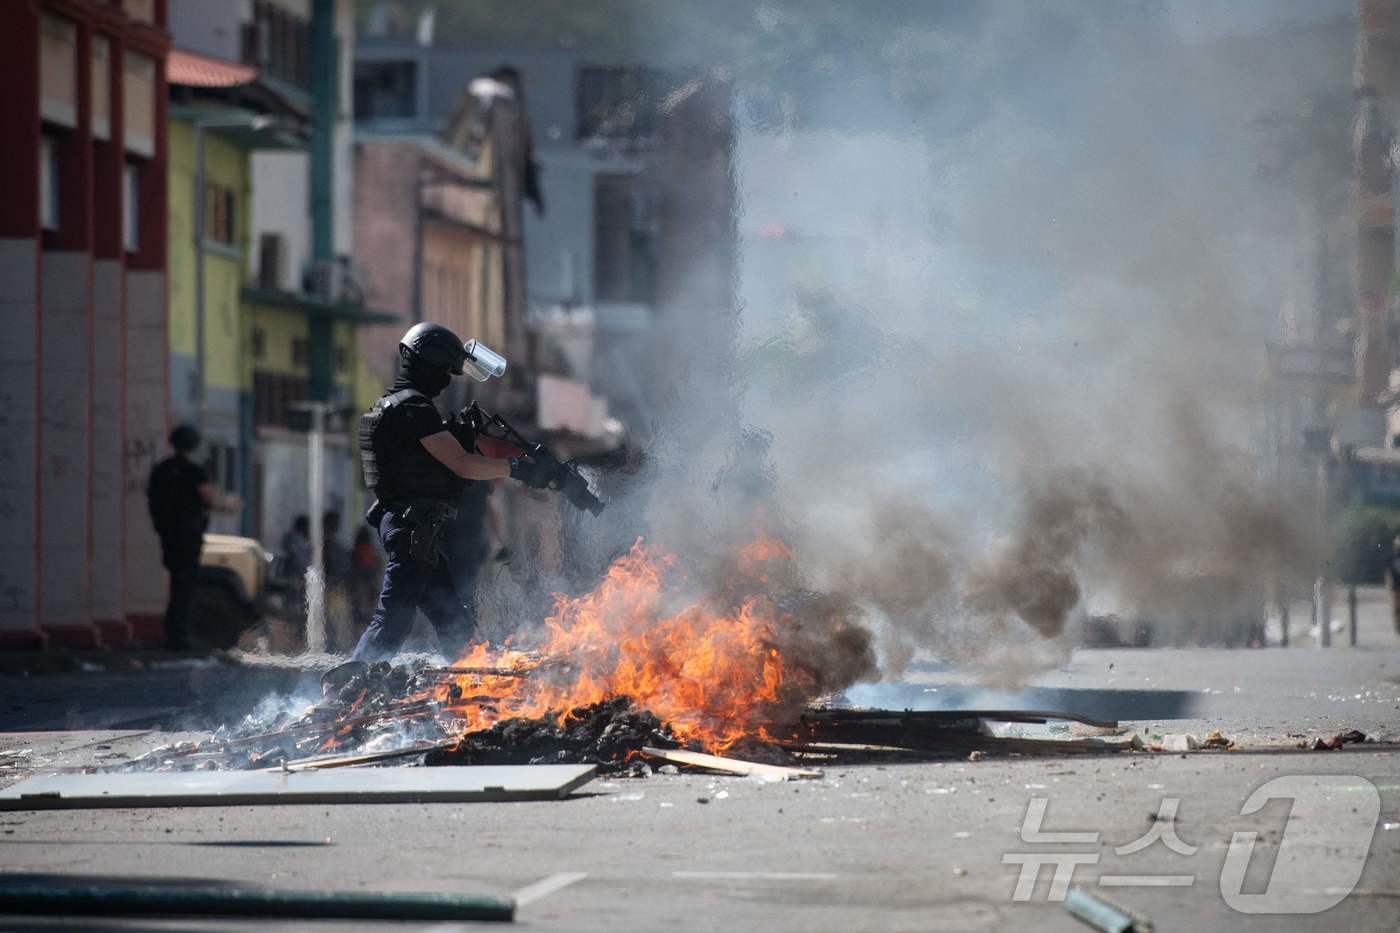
x=1180, y=742
x=1350, y=737
x=609, y=734
x=376, y=714
x=1216, y=740
x=730, y=765
x=373, y=713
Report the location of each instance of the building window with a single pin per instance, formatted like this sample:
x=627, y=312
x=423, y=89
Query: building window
x=219, y=214
x=131, y=207
x=142, y=11
x=387, y=90
x=624, y=241
x=48, y=183
x=222, y=464
x=278, y=42
x=58, y=70
x=619, y=104
x=301, y=351
x=101, y=86
x=342, y=359
x=271, y=259
x=139, y=103
x=259, y=343
x=274, y=394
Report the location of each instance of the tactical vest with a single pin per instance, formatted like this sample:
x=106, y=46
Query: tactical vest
x=405, y=471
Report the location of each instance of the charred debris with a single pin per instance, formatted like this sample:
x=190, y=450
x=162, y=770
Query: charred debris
x=383, y=714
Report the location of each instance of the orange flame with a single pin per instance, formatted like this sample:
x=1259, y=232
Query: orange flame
x=710, y=668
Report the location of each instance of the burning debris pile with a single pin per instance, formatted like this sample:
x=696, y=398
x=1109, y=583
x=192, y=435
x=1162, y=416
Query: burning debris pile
x=633, y=668
x=382, y=713
x=623, y=667
x=608, y=734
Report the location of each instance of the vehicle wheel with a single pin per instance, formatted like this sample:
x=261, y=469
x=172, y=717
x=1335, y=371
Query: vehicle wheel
x=217, y=617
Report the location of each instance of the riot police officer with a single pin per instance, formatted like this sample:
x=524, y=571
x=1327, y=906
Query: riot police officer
x=416, y=465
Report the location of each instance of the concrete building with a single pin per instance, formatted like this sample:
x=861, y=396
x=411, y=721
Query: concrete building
x=82, y=298
x=1377, y=82
x=590, y=253
x=220, y=115
x=438, y=231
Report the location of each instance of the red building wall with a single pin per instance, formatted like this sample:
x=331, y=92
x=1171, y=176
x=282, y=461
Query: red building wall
x=67, y=477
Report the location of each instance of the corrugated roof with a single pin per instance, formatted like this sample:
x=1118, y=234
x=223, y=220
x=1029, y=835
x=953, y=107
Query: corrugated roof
x=191, y=69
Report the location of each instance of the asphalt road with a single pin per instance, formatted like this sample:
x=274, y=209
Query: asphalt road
x=906, y=846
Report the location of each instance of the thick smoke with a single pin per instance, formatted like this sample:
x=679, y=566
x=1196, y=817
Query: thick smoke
x=1004, y=300
x=994, y=358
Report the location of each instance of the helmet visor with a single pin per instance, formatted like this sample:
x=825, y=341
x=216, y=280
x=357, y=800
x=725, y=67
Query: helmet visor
x=482, y=362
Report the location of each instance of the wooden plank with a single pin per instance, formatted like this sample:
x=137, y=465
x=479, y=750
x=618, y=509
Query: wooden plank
x=935, y=716
x=679, y=756
x=349, y=761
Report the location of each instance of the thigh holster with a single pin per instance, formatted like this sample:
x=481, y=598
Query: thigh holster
x=428, y=520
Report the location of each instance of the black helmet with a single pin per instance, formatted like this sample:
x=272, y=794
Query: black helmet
x=435, y=345
x=184, y=437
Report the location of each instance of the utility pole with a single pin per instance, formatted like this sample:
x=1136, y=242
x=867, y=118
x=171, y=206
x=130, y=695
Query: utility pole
x=325, y=100
x=316, y=509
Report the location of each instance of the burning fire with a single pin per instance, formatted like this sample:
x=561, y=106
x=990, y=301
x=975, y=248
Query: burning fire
x=711, y=668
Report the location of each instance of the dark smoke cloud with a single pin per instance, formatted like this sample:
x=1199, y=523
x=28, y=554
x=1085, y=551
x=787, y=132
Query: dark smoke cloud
x=1035, y=575
x=1001, y=364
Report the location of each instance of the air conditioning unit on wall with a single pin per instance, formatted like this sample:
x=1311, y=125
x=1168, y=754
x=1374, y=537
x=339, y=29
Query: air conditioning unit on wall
x=335, y=280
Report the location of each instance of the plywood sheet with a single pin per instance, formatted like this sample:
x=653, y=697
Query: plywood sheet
x=730, y=765
x=344, y=785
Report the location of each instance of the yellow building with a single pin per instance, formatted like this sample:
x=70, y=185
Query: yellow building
x=208, y=322
x=252, y=335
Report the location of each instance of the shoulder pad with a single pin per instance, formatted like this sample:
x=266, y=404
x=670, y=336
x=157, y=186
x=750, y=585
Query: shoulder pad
x=397, y=398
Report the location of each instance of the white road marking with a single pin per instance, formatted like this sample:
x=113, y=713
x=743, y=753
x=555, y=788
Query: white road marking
x=760, y=875
x=1147, y=881
x=547, y=886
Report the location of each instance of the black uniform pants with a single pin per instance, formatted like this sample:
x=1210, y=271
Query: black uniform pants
x=184, y=576
x=410, y=585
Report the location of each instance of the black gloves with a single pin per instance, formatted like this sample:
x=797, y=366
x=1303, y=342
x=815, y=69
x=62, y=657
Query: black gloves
x=532, y=473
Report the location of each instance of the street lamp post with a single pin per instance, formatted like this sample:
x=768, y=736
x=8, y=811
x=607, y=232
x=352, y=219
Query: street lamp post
x=319, y=412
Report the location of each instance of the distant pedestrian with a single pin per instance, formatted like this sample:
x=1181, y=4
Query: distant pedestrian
x=335, y=555
x=179, y=496
x=366, y=570
x=1392, y=582
x=296, y=547
x=335, y=560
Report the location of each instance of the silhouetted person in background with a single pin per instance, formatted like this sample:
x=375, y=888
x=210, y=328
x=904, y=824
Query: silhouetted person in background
x=365, y=572
x=335, y=556
x=296, y=547
x=180, y=496
x=296, y=558
x=1392, y=582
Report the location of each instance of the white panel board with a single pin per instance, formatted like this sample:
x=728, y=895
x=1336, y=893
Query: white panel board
x=344, y=785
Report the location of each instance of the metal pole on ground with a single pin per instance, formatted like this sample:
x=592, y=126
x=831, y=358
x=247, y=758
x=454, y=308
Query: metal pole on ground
x=78, y=898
